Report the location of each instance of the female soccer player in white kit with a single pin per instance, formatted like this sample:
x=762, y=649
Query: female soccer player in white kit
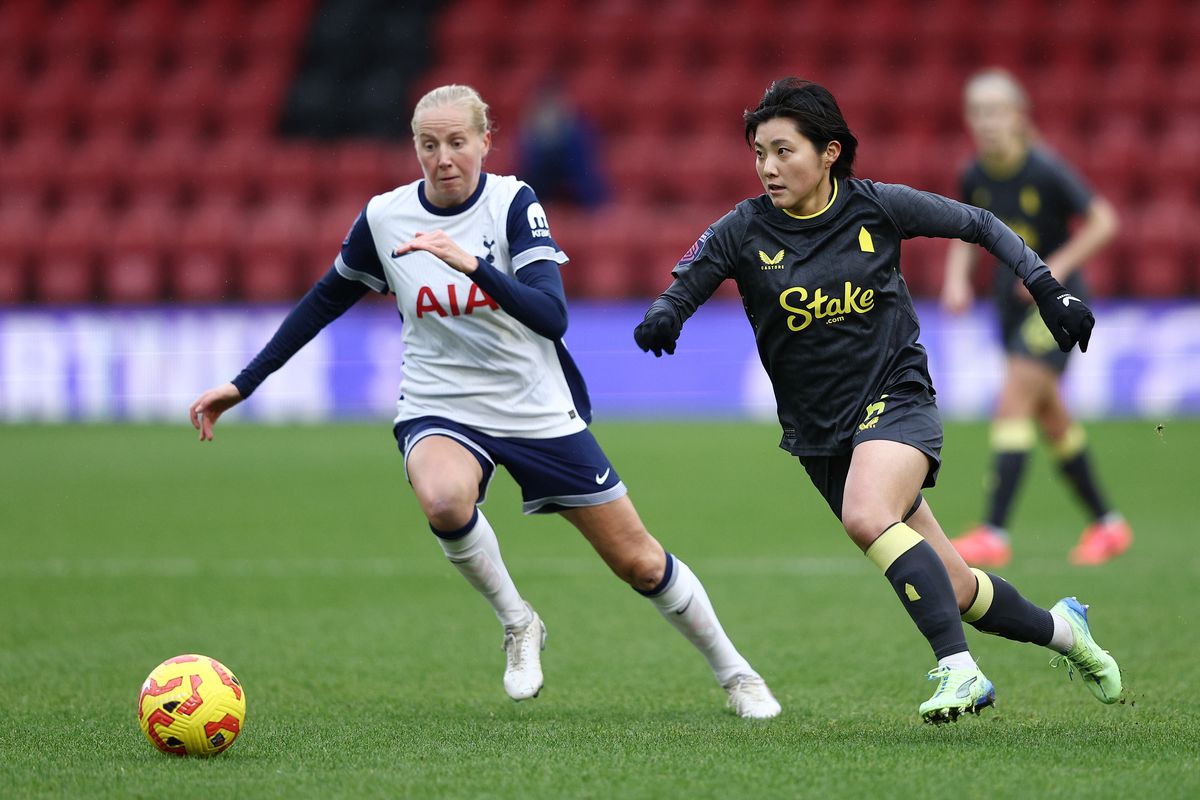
x=487, y=381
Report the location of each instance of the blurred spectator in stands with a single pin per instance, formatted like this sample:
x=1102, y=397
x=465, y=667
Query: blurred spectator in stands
x=1039, y=196
x=558, y=151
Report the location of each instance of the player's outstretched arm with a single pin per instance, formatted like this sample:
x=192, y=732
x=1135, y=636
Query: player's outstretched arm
x=208, y=408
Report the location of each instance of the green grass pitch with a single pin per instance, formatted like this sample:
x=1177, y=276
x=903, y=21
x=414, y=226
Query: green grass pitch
x=299, y=558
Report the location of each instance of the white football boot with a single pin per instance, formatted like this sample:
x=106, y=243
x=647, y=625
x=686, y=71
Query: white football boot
x=750, y=698
x=523, y=658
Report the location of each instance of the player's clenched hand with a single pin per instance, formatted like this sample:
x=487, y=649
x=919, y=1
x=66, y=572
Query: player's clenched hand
x=658, y=332
x=1068, y=318
x=441, y=245
x=208, y=407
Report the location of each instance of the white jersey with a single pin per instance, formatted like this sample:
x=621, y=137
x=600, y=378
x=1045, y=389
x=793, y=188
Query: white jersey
x=465, y=358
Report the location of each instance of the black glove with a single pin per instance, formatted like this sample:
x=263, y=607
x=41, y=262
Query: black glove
x=658, y=331
x=1068, y=318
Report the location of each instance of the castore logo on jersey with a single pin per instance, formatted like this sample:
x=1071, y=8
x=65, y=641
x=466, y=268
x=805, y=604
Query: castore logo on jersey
x=771, y=262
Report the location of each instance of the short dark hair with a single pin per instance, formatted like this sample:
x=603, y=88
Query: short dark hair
x=816, y=114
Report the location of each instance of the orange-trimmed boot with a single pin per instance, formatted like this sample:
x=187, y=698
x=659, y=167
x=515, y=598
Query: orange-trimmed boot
x=1102, y=541
x=984, y=546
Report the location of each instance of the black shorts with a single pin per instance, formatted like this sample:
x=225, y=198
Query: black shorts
x=907, y=414
x=1025, y=334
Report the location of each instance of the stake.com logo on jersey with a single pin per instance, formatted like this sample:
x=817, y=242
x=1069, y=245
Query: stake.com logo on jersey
x=802, y=311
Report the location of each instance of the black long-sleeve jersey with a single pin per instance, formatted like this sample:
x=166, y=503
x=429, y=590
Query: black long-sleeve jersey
x=832, y=316
x=1038, y=201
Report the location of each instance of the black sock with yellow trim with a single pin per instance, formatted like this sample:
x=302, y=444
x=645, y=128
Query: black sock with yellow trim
x=1000, y=609
x=1011, y=441
x=923, y=586
x=1072, y=456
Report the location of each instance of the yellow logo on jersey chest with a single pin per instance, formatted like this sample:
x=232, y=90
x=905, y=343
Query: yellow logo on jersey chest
x=865, y=242
x=771, y=262
x=795, y=299
x=1031, y=201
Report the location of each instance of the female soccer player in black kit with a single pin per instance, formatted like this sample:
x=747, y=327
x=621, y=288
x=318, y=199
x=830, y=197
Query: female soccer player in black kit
x=1038, y=195
x=817, y=262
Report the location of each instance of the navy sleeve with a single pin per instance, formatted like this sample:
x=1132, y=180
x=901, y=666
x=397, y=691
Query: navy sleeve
x=528, y=232
x=926, y=214
x=535, y=298
x=359, y=260
x=324, y=303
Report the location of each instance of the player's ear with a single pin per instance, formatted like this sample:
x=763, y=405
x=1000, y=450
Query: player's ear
x=487, y=143
x=832, y=151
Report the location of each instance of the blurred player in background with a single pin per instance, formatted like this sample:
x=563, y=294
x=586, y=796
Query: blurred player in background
x=487, y=380
x=1038, y=196
x=817, y=262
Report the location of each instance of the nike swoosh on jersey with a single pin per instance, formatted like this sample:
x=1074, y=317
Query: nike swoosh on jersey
x=600, y=479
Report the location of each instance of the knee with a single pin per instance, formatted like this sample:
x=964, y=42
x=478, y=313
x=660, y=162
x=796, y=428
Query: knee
x=446, y=509
x=864, y=524
x=645, y=572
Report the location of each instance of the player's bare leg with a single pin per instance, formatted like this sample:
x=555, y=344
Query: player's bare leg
x=616, y=532
x=445, y=477
x=883, y=481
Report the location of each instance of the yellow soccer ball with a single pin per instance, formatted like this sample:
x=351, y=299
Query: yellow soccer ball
x=192, y=705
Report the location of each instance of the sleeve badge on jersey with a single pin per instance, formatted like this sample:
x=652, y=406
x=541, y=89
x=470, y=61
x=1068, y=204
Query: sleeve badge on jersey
x=694, y=251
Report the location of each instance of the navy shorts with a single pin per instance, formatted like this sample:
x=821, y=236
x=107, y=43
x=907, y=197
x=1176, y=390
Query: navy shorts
x=554, y=474
x=907, y=414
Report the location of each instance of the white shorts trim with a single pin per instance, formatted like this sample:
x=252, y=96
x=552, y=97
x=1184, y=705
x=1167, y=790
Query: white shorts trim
x=576, y=500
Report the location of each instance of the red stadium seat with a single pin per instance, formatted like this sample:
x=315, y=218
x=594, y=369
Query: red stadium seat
x=64, y=262
x=291, y=173
x=132, y=269
x=19, y=226
x=53, y=100
x=188, y=102
x=76, y=25
x=20, y=24
x=98, y=168
x=209, y=25
x=1161, y=228
x=201, y=260
x=32, y=166
x=233, y=168
x=270, y=255
x=251, y=100
x=164, y=171
x=144, y=26
x=119, y=103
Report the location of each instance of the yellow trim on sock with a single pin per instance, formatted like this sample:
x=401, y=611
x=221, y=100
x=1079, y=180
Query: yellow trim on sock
x=1071, y=444
x=1013, y=435
x=983, y=597
x=891, y=544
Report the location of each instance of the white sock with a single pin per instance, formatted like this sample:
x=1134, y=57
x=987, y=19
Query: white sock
x=1063, y=638
x=685, y=605
x=477, y=556
x=961, y=660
